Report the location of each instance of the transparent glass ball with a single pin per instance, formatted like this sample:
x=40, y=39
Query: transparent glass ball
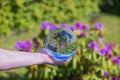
x=62, y=41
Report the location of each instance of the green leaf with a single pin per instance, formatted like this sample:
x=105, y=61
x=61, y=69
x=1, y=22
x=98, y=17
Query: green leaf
x=74, y=63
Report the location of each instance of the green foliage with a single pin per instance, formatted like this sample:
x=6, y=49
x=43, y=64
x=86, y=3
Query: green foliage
x=23, y=15
x=111, y=32
x=86, y=64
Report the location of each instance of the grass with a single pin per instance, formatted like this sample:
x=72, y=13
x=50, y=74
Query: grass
x=112, y=28
x=8, y=42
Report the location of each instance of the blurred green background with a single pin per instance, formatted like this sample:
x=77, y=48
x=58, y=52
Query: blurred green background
x=21, y=19
x=18, y=17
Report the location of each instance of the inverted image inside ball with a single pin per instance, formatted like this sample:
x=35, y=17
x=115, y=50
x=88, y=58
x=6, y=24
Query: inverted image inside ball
x=62, y=41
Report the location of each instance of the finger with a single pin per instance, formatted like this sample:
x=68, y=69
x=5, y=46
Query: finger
x=52, y=59
x=68, y=60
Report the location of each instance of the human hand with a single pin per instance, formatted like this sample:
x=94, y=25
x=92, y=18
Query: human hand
x=52, y=60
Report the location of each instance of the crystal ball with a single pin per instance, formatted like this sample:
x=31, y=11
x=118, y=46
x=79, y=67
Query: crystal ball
x=61, y=41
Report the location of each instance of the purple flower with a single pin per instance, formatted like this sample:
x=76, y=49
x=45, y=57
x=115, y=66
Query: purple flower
x=77, y=24
x=52, y=27
x=45, y=25
x=108, y=50
x=34, y=39
x=110, y=46
x=102, y=51
x=116, y=60
x=114, y=78
x=109, y=55
x=83, y=27
x=24, y=46
x=62, y=46
x=64, y=25
x=28, y=46
x=36, y=43
x=106, y=74
x=98, y=26
x=105, y=51
x=19, y=45
x=93, y=45
x=83, y=34
x=72, y=27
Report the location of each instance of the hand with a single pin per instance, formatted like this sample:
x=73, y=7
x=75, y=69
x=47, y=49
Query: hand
x=51, y=60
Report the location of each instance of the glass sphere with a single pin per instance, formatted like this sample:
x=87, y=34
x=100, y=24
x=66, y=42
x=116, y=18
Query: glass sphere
x=61, y=41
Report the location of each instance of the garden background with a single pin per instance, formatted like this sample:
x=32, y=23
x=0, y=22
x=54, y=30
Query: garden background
x=22, y=19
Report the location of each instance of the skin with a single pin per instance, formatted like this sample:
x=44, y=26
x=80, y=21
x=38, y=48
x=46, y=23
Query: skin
x=15, y=59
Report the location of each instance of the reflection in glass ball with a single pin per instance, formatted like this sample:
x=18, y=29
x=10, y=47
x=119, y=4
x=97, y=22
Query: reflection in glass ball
x=61, y=41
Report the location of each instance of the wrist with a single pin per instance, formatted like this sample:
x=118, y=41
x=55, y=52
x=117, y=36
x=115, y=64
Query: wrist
x=39, y=58
x=46, y=59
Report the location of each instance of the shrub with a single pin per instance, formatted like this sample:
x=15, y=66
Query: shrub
x=95, y=59
x=24, y=15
